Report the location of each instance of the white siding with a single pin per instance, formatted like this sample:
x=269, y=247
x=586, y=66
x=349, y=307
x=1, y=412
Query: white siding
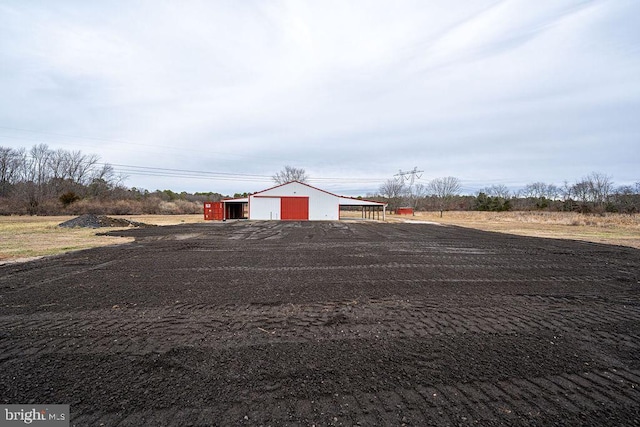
x=322, y=206
x=264, y=208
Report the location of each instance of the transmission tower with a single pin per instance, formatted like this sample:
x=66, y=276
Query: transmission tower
x=409, y=176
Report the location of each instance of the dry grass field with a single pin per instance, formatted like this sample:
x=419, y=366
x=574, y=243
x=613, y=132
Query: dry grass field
x=28, y=237
x=24, y=237
x=614, y=229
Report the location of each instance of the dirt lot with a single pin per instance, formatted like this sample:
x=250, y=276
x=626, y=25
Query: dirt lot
x=613, y=229
x=342, y=323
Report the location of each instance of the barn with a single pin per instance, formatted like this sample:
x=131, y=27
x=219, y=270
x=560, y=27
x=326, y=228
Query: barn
x=293, y=201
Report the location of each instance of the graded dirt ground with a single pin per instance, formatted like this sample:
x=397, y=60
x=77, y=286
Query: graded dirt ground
x=326, y=323
x=24, y=238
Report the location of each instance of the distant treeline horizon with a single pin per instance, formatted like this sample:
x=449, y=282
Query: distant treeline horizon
x=42, y=181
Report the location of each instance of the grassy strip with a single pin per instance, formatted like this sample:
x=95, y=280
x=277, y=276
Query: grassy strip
x=26, y=237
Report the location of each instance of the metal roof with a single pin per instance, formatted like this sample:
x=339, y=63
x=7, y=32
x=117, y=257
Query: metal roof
x=347, y=201
x=240, y=200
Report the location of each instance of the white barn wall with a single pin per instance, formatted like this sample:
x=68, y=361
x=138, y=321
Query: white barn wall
x=323, y=206
x=264, y=208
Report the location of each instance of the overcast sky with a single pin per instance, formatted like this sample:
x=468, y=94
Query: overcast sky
x=492, y=92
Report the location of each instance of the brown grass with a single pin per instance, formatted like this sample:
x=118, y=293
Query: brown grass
x=164, y=219
x=28, y=237
x=614, y=229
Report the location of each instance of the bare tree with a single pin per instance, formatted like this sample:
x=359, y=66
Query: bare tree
x=37, y=168
x=624, y=199
x=444, y=189
x=500, y=190
x=600, y=187
x=105, y=173
x=36, y=176
x=566, y=191
x=596, y=188
x=58, y=164
x=414, y=193
x=580, y=190
x=11, y=164
x=392, y=190
x=81, y=167
x=104, y=180
x=540, y=190
x=289, y=173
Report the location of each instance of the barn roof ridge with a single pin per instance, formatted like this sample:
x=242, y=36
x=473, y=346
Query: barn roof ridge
x=316, y=188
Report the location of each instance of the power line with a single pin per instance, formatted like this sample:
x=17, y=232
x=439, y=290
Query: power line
x=190, y=171
x=137, y=170
x=223, y=176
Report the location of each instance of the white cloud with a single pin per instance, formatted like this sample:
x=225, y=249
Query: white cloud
x=341, y=88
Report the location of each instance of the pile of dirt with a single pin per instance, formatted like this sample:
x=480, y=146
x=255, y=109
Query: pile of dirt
x=98, y=221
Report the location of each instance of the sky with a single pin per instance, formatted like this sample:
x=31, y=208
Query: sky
x=220, y=95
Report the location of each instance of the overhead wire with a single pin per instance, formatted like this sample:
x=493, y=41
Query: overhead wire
x=190, y=173
x=150, y=171
x=136, y=170
x=139, y=170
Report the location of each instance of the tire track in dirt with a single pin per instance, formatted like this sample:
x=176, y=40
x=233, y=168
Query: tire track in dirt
x=301, y=323
x=578, y=399
x=37, y=283
x=142, y=331
x=504, y=267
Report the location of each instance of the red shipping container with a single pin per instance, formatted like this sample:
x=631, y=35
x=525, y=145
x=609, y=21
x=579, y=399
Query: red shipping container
x=213, y=211
x=405, y=211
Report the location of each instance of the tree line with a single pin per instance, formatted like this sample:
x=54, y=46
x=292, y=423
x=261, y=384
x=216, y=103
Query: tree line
x=42, y=181
x=595, y=193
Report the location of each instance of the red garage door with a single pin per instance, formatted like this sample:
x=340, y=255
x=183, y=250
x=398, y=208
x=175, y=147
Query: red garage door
x=294, y=208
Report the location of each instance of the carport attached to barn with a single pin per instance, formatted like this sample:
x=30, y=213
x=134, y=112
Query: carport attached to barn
x=226, y=209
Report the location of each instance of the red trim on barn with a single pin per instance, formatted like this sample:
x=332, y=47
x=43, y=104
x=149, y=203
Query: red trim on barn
x=315, y=188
